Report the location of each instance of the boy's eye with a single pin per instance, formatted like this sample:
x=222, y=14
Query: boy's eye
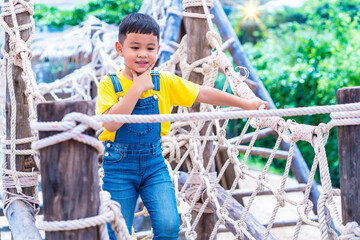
x=151, y=49
x=135, y=48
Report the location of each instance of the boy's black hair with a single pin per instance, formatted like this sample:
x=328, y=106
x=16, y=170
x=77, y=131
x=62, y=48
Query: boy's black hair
x=138, y=23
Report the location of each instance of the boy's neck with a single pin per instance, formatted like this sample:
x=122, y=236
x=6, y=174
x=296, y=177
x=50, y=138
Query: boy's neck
x=127, y=74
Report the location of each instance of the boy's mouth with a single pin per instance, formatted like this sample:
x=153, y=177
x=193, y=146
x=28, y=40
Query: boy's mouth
x=142, y=63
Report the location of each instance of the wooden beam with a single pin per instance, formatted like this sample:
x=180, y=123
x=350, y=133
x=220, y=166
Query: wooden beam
x=69, y=171
x=171, y=31
x=20, y=215
x=349, y=156
x=259, y=151
x=263, y=133
x=235, y=210
x=247, y=193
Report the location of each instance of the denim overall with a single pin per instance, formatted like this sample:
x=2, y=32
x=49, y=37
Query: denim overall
x=133, y=165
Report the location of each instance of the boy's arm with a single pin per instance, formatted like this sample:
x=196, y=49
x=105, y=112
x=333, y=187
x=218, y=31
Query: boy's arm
x=126, y=105
x=214, y=96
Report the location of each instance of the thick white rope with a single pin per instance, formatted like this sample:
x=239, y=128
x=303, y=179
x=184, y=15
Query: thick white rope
x=109, y=211
x=124, y=118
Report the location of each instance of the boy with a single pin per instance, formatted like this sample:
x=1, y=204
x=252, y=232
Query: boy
x=133, y=161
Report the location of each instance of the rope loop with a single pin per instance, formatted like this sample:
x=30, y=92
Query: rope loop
x=303, y=208
x=246, y=75
x=191, y=234
x=259, y=182
x=214, y=40
x=222, y=212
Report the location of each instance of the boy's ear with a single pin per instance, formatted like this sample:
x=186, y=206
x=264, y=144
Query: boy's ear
x=158, y=49
x=119, y=48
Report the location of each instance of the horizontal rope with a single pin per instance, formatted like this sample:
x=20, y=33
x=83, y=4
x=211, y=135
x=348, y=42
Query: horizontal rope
x=222, y=115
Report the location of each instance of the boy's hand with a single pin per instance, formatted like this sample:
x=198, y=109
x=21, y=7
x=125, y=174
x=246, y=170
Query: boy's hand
x=255, y=103
x=143, y=81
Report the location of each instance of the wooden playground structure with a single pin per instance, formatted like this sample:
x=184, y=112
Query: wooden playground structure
x=69, y=169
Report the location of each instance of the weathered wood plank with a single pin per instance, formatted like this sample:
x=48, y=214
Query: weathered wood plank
x=349, y=157
x=69, y=170
x=259, y=151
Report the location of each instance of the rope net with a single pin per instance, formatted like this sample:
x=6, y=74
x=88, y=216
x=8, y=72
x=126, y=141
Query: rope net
x=190, y=164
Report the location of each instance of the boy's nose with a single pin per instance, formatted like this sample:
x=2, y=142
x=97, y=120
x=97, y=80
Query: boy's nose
x=142, y=54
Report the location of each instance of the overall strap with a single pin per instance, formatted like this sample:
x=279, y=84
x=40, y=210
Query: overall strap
x=156, y=79
x=116, y=83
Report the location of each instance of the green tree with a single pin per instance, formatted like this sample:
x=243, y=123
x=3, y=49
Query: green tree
x=308, y=54
x=110, y=11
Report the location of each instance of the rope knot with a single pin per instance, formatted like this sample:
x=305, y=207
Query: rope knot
x=240, y=172
x=352, y=228
x=240, y=224
x=197, y=181
x=222, y=212
x=117, y=221
x=190, y=234
x=214, y=39
x=259, y=182
x=211, y=194
x=221, y=136
x=301, y=131
x=280, y=197
x=20, y=47
x=222, y=60
x=233, y=154
x=304, y=208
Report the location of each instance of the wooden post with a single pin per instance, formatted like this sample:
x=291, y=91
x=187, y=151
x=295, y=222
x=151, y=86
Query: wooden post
x=349, y=160
x=20, y=215
x=69, y=171
x=298, y=167
x=172, y=30
x=197, y=48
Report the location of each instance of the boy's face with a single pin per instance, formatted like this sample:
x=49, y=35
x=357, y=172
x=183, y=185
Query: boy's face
x=139, y=52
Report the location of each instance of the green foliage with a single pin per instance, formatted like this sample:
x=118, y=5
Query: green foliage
x=110, y=11
x=307, y=55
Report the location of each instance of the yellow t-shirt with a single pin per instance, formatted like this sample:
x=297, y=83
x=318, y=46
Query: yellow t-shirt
x=174, y=91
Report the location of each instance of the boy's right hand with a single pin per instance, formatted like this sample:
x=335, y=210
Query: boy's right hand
x=143, y=81
x=255, y=103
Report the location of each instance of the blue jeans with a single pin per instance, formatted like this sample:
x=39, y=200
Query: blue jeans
x=131, y=170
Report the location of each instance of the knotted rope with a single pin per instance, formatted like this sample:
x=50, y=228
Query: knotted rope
x=19, y=55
